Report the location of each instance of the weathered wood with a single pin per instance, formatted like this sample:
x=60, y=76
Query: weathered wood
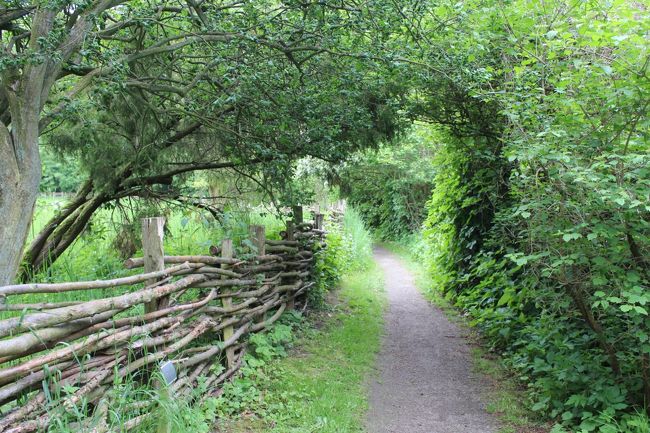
x=282, y=243
x=26, y=383
x=318, y=221
x=262, y=259
x=103, y=340
x=219, y=271
x=258, y=239
x=35, y=321
x=281, y=249
x=291, y=236
x=249, y=290
x=263, y=268
x=291, y=230
x=22, y=411
x=37, y=306
x=261, y=325
x=214, y=350
x=154, y=253
x=40, y=339
x=226, y=283
x=137, y=262
x=20, y=289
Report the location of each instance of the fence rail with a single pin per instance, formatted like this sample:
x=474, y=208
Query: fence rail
x=185, y=314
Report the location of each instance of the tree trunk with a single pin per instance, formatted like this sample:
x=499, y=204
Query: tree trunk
x=66, y=226
x=20, y=174
x=20, y=162
x=587, y=314
x=37, y=243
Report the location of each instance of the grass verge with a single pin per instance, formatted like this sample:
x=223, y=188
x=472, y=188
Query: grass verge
x=320, y=387
x=504, y=398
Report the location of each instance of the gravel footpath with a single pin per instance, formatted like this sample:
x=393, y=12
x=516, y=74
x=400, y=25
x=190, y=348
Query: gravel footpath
x=425, y=382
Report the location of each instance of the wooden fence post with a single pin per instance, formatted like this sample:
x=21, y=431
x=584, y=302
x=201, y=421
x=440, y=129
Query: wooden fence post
x=154, y=260
x=291, y=230
x=152, y=249
x=318, y=221
x=258, y=238
x=226, y=252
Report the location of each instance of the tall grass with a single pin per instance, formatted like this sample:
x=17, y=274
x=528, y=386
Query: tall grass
x=358, y=240
x=187, y=231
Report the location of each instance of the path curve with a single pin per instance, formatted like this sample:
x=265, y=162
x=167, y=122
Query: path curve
x=425, y=382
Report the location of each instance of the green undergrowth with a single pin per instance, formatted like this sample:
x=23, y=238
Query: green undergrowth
x=504, y=397
x=320, y=386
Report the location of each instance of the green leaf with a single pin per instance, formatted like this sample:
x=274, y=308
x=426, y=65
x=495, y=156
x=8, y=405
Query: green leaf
x=540, y=405
x=567, y=237
x=566, y=416
x=598, y=281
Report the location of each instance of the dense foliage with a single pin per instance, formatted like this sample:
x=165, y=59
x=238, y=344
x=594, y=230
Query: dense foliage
x=389, y=187
x=539, y=221
x=60, y=173
x=144, y=93
x=348, y=249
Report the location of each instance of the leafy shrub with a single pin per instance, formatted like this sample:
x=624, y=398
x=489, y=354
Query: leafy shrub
x=567, y=307
x=61, y=173
x=389, y=187
x=538, y=225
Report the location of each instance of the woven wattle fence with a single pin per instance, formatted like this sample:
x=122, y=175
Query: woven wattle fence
x=172, y=323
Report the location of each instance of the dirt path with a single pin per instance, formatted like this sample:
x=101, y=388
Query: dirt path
x=425, y=382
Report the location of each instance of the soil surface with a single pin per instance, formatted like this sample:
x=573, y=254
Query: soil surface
x=425, y=382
